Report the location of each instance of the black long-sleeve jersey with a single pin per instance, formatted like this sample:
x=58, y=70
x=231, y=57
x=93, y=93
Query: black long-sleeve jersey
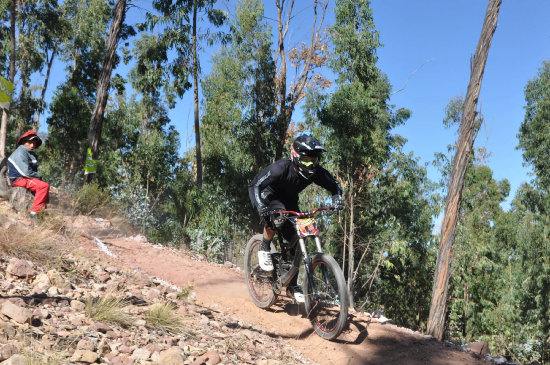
x=281, y=181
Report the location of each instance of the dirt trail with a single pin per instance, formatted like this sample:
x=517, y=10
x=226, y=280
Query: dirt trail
x=221, y=288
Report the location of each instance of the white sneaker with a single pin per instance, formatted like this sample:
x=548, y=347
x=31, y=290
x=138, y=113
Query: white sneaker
x=297, y=293
x=265, y=260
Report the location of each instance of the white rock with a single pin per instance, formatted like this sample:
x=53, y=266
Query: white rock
x=78, y=305
x=15, y=360
x=141, y=354
x=20, y=268
x=53, y=291
x=86, y=356
x=15, y=312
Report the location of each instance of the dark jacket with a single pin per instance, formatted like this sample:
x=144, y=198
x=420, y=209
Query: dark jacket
x=281, y=181
x=22, y=163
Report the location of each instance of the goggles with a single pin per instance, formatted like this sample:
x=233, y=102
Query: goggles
x=309, y=161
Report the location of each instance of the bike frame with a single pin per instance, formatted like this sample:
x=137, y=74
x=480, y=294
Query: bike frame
x=287, y=276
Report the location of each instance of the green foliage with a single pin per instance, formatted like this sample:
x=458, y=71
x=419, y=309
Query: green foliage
x=90, y=198
x=499, y=281
x=479, y=257
x=534, y=134
x=145, y=170
x=387, y=220
x=500, y=275
x=68, y=128
x=355, y=42
x=532, y=273
x=239, y=120
x=395, y=218
x=176, y=18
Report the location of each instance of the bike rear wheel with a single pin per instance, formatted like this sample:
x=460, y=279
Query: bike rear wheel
x=258, y=281
x=327, y=306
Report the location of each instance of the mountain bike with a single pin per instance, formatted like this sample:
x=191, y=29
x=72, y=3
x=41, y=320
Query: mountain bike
x=325, y=292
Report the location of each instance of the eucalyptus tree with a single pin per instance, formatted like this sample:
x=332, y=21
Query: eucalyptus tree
x=239, y=111
x=480, y=257
x=72, y=103
x=305, y=59
x=104, y=80
x=41, y=27
x=358, y=114
x=532, y=276
x=52, y=30
x=534, y=199
x=149, y=78
x=179, y=21
x=534, y=133
x=12, y=7
x=438, y=306
x=143, y=165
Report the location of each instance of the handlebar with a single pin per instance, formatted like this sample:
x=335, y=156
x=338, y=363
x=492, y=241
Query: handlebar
x=304, y=214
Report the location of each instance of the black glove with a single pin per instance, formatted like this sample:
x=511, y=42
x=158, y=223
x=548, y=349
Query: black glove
x=338, y=202
x=264, y=211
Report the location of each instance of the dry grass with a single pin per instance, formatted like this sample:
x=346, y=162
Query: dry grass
x=35, y=352
x=24, y=242
x=108, y=309
x=54, y=223
x=163, y=316
x=36, y=243
x=185, y=292
x=235, y=346
x=36, y=358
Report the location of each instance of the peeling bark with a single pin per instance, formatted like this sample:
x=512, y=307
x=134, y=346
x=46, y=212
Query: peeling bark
x=438, y=306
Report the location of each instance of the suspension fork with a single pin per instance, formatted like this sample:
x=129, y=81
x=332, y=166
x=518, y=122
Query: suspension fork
x=307, y=259
x=324, y=267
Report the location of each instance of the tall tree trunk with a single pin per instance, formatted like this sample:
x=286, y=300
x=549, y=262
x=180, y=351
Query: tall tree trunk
x=196, y=97
x=43, y=93
x=283, y=118
x=438, y=306
x=351, y=247
x=288, y=97
x=23, y=95
x=5, y=113
x=96, y=123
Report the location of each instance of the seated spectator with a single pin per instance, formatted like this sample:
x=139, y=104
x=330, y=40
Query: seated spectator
x=23, y=171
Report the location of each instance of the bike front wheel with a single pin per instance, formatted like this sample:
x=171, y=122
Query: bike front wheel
x=258, y=281
x=326, y=297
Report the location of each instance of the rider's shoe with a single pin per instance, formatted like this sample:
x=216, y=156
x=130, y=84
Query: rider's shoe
x=264, y=257
x=297, y=293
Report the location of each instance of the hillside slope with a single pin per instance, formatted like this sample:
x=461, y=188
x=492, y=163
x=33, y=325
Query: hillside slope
x=219, y=311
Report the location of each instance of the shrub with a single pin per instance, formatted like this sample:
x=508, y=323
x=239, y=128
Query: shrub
x=163, y=316
x=108, y=309
x=90, y=198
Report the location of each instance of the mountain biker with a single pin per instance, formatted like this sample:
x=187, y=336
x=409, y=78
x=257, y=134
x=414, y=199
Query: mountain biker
x=276, y=188
x=23, y=171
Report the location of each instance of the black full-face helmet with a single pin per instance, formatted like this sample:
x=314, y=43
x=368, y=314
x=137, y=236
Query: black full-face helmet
x=306, y=153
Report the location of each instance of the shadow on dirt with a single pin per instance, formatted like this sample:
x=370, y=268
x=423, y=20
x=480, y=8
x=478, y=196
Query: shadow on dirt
x=355, y=332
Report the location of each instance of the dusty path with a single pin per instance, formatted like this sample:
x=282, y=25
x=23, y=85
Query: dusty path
x=364, y=342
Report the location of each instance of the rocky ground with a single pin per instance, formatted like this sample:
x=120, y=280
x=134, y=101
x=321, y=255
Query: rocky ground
x=77, y=290
x=50, y=313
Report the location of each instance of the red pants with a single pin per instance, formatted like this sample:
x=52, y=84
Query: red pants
x=40, y=189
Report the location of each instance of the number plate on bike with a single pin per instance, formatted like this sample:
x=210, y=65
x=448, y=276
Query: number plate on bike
x=307, y=227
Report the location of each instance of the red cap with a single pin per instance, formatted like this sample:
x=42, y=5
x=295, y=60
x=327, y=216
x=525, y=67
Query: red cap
x=29, y=136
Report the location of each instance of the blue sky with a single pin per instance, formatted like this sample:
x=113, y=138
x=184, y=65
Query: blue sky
x=445, y=34
x=439, y=37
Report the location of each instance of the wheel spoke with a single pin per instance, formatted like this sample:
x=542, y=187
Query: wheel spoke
x=259, y=282
x=327, y=307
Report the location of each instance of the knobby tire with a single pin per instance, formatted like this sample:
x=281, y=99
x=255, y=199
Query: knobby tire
x=259, y=282
x=327, y=308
